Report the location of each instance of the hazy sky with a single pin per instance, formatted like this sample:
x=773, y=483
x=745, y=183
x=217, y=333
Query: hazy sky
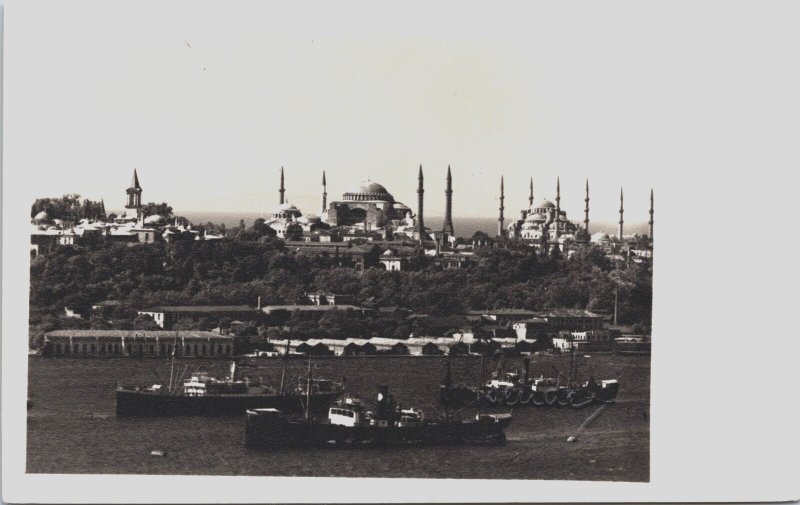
x=208, y=100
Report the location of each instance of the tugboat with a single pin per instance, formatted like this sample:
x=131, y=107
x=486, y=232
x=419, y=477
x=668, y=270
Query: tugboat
x=201, y=394
x=350, y=424
x=510, y=389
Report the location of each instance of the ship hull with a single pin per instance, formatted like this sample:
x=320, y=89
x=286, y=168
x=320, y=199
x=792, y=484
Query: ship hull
x=521, y=396
x=265, y=433
x=131, y=403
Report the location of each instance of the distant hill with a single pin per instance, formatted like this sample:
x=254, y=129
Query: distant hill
x=464, y=226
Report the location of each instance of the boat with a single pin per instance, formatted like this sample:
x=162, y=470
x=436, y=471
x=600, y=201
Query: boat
x=204, y=395
x=511, y=389
x=350, y=424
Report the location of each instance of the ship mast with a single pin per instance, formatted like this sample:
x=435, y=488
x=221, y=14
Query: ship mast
x=308, y=387
x=172, y=361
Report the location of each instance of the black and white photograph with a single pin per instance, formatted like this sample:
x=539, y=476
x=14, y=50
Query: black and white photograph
x=406, y=250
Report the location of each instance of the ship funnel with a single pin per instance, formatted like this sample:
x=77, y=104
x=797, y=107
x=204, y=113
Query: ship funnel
x=383, y=401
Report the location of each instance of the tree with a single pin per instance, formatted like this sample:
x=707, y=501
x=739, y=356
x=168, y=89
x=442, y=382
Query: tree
x=294, y=232
x=162, y=209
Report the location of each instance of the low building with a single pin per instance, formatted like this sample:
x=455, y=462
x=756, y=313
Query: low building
x=572, y=319
x=138, y=343
x=584, y=341
x=529, y=328
x=166, y=316
x=323, y=298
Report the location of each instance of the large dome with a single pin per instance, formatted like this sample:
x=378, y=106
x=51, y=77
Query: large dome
x=369, y=190
x=547, y=204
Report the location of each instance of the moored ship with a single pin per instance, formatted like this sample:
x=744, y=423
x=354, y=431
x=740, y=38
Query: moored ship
x=350, y=424
x=201, y=394
x=510, y=389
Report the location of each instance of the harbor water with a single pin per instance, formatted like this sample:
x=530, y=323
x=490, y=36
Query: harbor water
x=72, y=427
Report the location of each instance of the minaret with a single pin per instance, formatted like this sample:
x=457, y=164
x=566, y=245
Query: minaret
x=102, y=208
x=558, y=206
x=420, y=221
x=621, y=211
x=448, y=213
x=530, y=197
x=134, y=192
x=651, y=216
x=324, y=192
x=500, y=218
x=283, y=189
x=586, y=209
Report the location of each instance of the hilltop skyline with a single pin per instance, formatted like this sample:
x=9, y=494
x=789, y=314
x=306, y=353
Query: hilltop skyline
x=209, y=105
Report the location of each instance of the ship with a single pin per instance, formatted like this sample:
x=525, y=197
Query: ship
x=350, y=424
x=203, y=395
x=511, y=389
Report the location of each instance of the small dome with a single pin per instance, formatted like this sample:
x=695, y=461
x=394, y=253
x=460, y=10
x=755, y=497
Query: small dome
x=41, y=216
x=286, y=207
x=401, y=206
x=154, y=219
x=600, y=236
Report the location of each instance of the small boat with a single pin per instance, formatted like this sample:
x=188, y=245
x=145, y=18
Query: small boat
x=350, y=424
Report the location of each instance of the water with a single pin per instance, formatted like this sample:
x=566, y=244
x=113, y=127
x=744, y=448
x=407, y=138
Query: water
x=72, y=427
x=464, y=226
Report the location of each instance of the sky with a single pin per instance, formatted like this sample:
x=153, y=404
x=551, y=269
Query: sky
x=208, y=101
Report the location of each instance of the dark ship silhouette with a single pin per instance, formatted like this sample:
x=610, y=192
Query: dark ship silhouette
x=350, y=424
x=511, y=389
x=201, y=394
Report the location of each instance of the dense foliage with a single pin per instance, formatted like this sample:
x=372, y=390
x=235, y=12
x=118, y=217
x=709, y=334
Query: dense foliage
x=238, y=271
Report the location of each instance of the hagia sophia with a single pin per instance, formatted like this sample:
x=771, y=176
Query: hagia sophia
x=366, y=213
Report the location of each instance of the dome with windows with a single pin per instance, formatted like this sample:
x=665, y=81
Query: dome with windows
x=369, y=191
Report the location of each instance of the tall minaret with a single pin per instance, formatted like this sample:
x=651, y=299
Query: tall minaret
x=324, y=192
x=500, y=218
x=651, y=215
x=586, y=209
x=420, y=221
x=558, y=205
x=283, y=189
x=621, y=211
x=102, y=208
x=448, y=212
x=134, y=192
x=530, y=197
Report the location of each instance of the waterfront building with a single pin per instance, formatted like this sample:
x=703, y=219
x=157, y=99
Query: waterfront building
x=137, y=343
x=166, y=316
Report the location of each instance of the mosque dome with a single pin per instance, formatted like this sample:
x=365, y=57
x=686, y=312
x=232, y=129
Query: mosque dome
x=154, y=219
x=600, y=236
x=547, y=204
x=369, y=190
x=41, y=216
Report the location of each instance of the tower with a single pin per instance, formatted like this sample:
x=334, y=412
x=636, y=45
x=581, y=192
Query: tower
x=558, y=206
x=500, y=218
x=283, y=189
x=420, y=232
x=530, y=197
x=134, y=192
x=621, y=211
x=448, y=213
x=586, y=209
x=102, y=209
x=324, y=192
x=651, y=215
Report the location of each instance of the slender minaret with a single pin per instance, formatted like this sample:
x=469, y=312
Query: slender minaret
x=448, y=212
x=530, y=197
x=500, y=218
x=420, y=193
x=621, y=211
x=586, y=209
x=558, y=206
x=283, y=189
x=651, y=215
x=102, y=208
x=324, y=192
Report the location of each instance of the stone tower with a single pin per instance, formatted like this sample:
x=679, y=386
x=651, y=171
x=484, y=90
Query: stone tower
x=420, y=231
x=586, y=209
x=324, y=192
x=448, y=212
x=283, y=188
x=134, y=192
x=501, y=218
x=621, y=212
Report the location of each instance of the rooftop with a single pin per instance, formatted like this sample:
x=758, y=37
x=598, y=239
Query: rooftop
x=132, y=334
x=200, y=308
